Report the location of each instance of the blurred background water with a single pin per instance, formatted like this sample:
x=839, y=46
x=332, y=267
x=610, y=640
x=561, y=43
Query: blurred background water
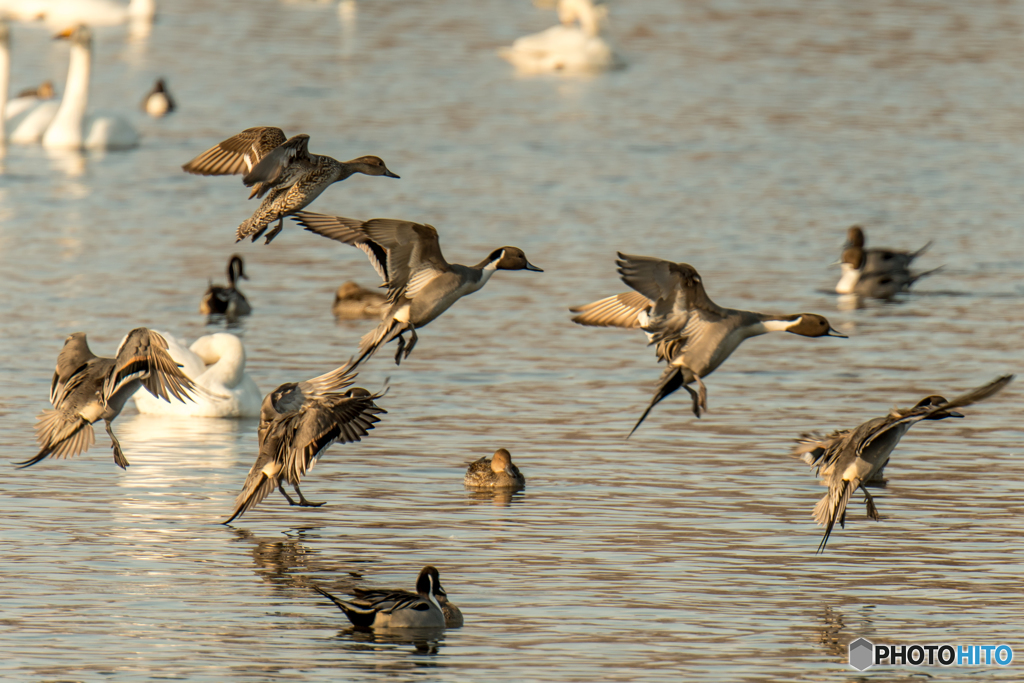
x=743, y=138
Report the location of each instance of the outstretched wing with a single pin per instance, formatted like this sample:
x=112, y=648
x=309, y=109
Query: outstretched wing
x=71, y=364
x=237, y=154
x=406, y=255
x=621, y=310
x=273, y=169
x=143, y=356
x=334, y=418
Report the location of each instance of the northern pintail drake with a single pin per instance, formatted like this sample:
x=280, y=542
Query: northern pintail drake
x=158, y=101
x=227, y=301
x=282, y=169
x=87, y=388
x=298, y=422
x=421, y=284
x=496, y=473
x=71, y=127
x=876, y=273
x=452, y=614
x=397, y=610
x=849, y=459
x=352, y=302
x=216, y=363
x=692, y=334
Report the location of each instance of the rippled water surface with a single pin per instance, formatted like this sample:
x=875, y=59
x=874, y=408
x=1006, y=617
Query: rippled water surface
x=743, y=138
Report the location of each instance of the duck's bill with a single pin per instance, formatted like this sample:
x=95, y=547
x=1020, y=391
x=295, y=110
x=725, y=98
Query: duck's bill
x=389, y=174
x=835, y=333
x=530, y=266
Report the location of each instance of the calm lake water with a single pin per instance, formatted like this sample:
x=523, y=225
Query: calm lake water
x=743, y=138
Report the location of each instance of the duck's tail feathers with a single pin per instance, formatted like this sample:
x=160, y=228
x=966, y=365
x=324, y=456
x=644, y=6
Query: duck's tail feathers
x=376, y=338
x=915, y=254
x=263, y=478
x=671, y=380
x=832, y=508
x=60, y=436
x=252, y=228
x=914, y=277
x=359, y=616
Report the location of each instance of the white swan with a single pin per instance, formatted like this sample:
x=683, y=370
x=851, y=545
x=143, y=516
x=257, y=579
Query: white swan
x=71, y=128
x=566, y=47
x=216, y=363
x=24, y=118
x=64, y=13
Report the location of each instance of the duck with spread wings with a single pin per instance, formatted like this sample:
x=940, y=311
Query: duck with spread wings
x=421, y=284
x=691, y=333
x=282, y=169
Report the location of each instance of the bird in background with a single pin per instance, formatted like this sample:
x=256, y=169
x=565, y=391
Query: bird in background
x=158, y=101
x=87, y=388
x=298, y=422
x=399, y=609
x=876, y=273
x=690, y=332
x=849, y=459
x=421, y=284
x=227, y=301
x=281, y=169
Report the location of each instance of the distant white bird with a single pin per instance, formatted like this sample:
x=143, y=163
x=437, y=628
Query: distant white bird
x=71, y=127
x=215, y=362
x=574, y=45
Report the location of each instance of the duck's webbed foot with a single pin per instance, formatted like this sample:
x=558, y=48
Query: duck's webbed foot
x=696, y=400
x=870, y=502
x=119, y=458
x=273, y=233
x=280, y=487
x=302, y=499
x=413, y=338
x=702, y=394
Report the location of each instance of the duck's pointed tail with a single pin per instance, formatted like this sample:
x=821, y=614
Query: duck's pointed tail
x=359, y=616
x=60, y=436
x=262, y=479
x=671, y=380
x=832, y=508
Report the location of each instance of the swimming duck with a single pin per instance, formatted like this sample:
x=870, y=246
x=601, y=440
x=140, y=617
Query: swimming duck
x=421, y=283
x=876, y=273
x=87, y=388
x=71, y=128
x=566, y=47
x=215, y=362
x=352, y=302
x=496, y=473
x=158, y=101
x=400, y=609
x=452, y=614
x=227, y=301
x=284, y=170
x=26, y=112
x=692, y=334
x=298, y=422
x=853, y=458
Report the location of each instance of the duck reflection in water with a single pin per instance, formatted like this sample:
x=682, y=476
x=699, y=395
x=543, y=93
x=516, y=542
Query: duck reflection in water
x=287, y=562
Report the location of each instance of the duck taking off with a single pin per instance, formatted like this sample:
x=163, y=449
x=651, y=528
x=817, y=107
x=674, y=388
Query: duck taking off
x=399, y=609
x=849, y=459
x=227, y=301
x=298, y=422
x=87, y=388
x=421, y=284
x=692, y=334
x=283, y=170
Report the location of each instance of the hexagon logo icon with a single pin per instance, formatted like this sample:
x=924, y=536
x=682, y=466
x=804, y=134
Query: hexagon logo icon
x=862, y=654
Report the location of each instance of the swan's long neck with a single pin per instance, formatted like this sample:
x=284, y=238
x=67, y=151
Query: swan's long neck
x=67, y=129
x=5, y=76
x=224, y=357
